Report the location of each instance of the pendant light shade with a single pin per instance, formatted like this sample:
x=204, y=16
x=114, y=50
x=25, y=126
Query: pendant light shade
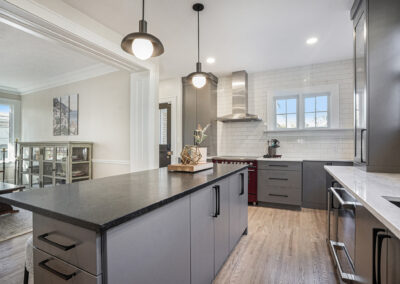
x=199, y=78
x=142, y=44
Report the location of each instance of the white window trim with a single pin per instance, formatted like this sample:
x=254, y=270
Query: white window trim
x=15, y=125
x=332, y=90
x=297, y=110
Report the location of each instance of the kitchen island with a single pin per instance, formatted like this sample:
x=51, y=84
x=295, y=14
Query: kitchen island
x=146, y=227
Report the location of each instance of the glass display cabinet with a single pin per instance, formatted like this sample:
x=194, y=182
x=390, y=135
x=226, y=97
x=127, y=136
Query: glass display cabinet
x=45, y=164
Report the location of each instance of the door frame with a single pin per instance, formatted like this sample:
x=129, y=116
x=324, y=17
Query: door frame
x=174, y=126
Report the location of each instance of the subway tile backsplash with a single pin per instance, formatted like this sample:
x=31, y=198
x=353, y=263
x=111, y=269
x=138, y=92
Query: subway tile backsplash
x=250, y=138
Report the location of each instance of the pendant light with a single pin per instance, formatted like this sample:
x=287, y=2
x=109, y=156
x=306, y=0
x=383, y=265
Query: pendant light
x=142, y=44
x=199, y=78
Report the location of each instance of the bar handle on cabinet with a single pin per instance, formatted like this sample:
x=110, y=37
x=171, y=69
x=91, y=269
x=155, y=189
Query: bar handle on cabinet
x=343, y=275
x=219, y=200
x=278, y=178
x=280, y=166
x=66, y=277
x=361, y=145
x=278, y=195
x=215, y=215
x=242, y=183
x=375, y=233
x=344, y=204
x=54, y=244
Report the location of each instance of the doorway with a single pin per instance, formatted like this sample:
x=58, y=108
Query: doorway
x=165, y=135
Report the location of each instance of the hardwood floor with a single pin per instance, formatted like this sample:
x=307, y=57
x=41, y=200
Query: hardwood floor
x=282, y=246
x=12, y=260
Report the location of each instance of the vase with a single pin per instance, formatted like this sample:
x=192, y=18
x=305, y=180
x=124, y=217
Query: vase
x=203, y=152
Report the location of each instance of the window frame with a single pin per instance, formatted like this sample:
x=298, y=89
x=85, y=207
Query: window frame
x=288, y=97
x=334, y=113
x=329, y=110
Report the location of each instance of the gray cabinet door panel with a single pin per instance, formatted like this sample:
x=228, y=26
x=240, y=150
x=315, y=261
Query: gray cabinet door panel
x=154, y=247
x=314, y=185
x=202, y=208
x=244, y=204
x=285, y=166
x=234, y=210
x=280, y=179
x=47, y=267
x=393, y=263
x=221, y=227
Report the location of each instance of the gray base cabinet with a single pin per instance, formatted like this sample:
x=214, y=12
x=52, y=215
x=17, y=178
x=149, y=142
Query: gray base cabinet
x=279, y=182
x=371, y=237
x=238, y=189
x=202, y=210
x=316, y=181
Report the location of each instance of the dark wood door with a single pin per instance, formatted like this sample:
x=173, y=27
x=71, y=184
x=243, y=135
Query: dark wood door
x=165, y=135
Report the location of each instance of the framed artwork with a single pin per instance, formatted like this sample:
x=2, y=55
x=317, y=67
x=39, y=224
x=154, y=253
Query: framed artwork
x=65, y=115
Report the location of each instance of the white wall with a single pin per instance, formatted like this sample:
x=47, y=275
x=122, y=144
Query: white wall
x=249, y=138
x=170, y=91
x=104, y=114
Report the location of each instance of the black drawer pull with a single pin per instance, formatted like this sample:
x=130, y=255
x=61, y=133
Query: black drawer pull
x=43, y=265
x=281, y=166
x=241, y=184
x=54, y=244
x=278, y=178
x=278, y=195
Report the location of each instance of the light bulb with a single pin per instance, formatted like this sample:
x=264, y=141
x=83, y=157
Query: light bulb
x=142, y=48
x=199, y=81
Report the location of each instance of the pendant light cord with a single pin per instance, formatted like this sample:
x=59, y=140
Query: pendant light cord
x=198, y=36
x=143, y=10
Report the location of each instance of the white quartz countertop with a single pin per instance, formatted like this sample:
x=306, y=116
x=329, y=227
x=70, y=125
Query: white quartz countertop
x=370, y=189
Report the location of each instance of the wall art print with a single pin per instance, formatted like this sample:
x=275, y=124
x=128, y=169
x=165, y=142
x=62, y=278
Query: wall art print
x=65, y=115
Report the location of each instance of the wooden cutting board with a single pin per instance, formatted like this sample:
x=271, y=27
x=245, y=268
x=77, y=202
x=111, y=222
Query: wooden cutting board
x=190, y=168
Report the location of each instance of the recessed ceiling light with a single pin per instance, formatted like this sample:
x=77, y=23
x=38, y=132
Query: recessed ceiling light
x=210, y=60
x=312, y=40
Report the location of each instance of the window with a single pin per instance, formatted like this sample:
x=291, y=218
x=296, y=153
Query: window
x=286, y=112
x=9, y=126
x=316, y=111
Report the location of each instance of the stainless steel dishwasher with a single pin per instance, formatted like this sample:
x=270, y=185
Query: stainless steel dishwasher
x=341, y=231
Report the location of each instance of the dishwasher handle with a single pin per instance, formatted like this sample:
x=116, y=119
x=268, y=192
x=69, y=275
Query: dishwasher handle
x=344, y=204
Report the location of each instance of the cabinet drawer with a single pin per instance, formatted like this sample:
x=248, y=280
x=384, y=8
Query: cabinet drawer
x=281, y=166
x=290, y=196
x=73, y=244
x=48, y=269
x=279, y=179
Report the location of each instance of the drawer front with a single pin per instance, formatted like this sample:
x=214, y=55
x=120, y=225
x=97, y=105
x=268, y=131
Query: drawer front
x=279, y=179
x=73, y=244
x=290, y=196
x=280, y=166
x=48, y=269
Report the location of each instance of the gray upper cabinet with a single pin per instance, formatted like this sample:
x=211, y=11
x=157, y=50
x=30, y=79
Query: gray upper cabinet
x=202, y=210
x=200, y=107
x=237, y=207
x=376, y=52
x=221, y=226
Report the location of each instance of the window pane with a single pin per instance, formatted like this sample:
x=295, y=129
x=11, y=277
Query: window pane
x=309, y=120
x=280, y=106
x=291, y=106
x=322, y=119
x=281, y=121
x=4, y=127
x=291, y=121
x=309, y=104
x=322, y=103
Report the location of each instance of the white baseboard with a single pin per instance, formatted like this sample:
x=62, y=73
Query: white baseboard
x=114, y=162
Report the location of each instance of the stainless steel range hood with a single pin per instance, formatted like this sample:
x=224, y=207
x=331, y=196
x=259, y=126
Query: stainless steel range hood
x=239, y=100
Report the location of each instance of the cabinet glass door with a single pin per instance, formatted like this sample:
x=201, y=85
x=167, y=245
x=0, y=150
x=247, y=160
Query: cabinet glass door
x=26, y=153
x=80, y=154
x=62, y=154
x=360, y=102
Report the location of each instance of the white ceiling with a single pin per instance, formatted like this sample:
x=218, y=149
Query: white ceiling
x=254, y=35
x=30, y=60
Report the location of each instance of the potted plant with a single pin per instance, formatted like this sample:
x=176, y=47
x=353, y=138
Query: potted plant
x=199, y=136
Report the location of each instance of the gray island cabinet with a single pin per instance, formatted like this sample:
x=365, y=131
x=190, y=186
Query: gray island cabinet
x=147, y=227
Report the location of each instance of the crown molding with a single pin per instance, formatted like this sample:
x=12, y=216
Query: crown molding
x=9, y=90
x=67, y=78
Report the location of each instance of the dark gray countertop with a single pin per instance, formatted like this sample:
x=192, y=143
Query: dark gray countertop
x=107, y=202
